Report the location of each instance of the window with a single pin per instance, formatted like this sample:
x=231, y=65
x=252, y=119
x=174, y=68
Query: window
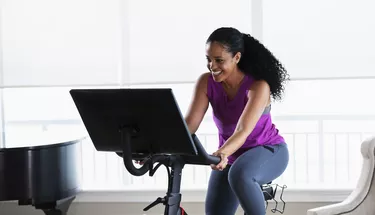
x=324, y=137
x=325, y=123
x=325, y=116
x=318, y=38
x=42, y=46
x=175, y=50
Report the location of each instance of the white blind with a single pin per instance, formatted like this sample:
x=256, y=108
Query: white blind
x=167, y=37
x=322, y=39
x=106, y=43
x=103, y=42
x=48, y=42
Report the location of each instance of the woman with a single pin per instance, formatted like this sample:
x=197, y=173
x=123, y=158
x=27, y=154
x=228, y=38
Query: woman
x=244, y=76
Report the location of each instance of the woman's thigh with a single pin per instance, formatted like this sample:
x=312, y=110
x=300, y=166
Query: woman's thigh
x=263, y=163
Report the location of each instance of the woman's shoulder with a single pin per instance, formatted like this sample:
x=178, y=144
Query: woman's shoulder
x=258, y=88
x=202, y=82
x=204, y=76
x=206, y=83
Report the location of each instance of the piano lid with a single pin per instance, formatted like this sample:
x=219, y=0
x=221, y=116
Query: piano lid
x=39, y=140
x=42, y=169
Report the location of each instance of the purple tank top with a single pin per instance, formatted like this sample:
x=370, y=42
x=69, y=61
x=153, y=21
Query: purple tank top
x=226, y=114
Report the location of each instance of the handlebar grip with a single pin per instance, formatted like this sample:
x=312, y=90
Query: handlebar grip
x=213, y=159
x=206, y=158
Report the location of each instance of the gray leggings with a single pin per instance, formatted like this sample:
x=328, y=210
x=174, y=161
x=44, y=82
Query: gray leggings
x=240, y=182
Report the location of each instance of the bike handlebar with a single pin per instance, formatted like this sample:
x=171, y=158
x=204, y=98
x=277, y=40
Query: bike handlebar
x=203, y=157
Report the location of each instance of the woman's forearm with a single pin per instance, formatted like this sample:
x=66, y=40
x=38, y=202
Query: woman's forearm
x=233, y=143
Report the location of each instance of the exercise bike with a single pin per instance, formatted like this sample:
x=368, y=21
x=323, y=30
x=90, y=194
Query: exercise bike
x=147, y=125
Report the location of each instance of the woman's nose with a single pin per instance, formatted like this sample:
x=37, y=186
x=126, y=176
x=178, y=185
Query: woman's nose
x=212, y=66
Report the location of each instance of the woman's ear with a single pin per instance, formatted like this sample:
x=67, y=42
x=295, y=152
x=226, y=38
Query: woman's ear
x=237, y=57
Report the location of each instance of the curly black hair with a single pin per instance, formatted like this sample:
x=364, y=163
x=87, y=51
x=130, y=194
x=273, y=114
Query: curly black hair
x=256, y=60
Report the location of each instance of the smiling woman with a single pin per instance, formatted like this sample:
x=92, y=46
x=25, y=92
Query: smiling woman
x=243, y=77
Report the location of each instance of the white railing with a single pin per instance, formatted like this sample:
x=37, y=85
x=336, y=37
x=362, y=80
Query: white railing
x=324, y=153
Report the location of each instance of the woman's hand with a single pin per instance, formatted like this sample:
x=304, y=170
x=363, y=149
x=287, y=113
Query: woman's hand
x=223, y=161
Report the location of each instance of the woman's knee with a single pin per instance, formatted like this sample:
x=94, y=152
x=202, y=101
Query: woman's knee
x=239, y=178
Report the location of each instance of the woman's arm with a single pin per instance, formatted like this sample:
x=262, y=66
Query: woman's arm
x=198, y=105
x=259, y=96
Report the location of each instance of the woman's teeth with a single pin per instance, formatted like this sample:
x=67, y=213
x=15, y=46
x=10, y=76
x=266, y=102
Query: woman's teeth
x=216, y=73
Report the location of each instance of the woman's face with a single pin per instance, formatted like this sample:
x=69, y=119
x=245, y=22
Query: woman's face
x=220, y=62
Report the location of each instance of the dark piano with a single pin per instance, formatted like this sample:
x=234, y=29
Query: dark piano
x=42, y=172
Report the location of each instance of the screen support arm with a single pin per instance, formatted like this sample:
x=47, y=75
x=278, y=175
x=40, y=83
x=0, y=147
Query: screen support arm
x=126, y=132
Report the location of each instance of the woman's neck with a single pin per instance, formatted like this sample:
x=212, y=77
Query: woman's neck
x=234, y=80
